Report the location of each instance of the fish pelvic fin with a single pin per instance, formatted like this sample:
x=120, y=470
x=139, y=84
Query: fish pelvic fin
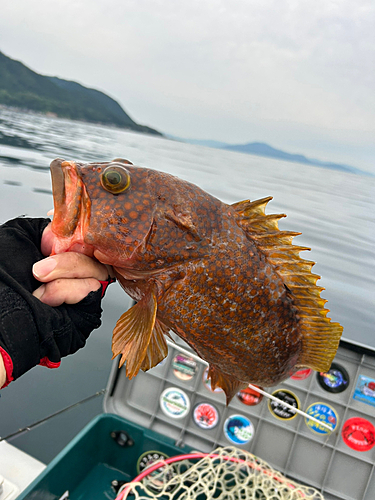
x=157, y=349
x=229, y=384
x=320, y=336
x=138, y=337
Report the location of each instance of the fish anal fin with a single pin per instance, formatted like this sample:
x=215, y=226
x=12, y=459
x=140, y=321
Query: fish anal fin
x=229, y=384
x=132, y=334
x=157, y=349
x=320, y=337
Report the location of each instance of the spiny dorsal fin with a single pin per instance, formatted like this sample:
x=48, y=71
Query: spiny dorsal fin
x=321, y=336
x=251, y=209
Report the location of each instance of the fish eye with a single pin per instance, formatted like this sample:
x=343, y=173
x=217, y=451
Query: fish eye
x=115, y=179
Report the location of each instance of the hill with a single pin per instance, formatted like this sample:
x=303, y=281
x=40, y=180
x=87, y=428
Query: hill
x=263, y=149
x=23, y=88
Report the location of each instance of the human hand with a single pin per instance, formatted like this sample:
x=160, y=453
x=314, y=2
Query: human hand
x=68, y=277
x=51, y=332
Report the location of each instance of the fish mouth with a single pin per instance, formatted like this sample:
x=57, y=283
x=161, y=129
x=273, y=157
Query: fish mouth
x=71, y=203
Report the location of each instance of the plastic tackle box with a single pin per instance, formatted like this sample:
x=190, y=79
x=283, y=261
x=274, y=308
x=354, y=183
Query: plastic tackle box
x=171, y=409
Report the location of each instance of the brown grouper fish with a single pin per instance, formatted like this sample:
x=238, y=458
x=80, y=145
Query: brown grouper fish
x=222, y=277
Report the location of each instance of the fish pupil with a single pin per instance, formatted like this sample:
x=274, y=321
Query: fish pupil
x=113, y=178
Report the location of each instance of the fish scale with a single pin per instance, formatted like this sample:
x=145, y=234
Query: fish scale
x=257, y=318
x=222, y=277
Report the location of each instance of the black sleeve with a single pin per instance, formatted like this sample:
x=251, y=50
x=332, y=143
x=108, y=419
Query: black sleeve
x=31, y=332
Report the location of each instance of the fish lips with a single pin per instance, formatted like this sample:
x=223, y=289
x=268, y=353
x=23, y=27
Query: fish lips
x=68, y=197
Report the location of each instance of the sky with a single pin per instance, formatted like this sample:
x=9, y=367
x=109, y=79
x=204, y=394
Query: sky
x=296, y=74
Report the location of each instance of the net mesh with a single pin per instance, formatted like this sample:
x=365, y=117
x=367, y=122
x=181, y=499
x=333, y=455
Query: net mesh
x=227, y=473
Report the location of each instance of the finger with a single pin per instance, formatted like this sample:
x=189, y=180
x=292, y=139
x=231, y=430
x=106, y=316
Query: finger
x=47, y=240
x=63, y=290
x=69, y=265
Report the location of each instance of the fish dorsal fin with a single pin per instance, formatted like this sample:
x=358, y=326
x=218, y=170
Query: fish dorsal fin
x=229, y=384
x=122, y=160
x=320, y=336
x=138, y=336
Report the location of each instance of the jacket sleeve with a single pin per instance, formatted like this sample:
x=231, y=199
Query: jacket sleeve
x=32, y=332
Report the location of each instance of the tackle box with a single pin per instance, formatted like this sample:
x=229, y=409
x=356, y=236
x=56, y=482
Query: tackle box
x=171, y=409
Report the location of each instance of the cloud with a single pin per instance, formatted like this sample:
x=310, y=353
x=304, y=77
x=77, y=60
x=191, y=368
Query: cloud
x=220, y=68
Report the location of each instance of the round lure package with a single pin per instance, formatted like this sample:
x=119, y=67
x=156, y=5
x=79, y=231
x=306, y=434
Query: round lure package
x=358, y=433
x=184, y=367
x=281, y=411
x=157, y=478
x=249, y=396
x=302, y=374
x=336, y=380
x=205, y=416
x=174, y=402
x=326, y=414
x=238, y=429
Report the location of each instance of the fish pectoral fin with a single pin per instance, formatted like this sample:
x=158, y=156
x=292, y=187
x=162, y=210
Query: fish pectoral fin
x=229, y=384
x=157, y=349
x=133, y=332
x=184, y=222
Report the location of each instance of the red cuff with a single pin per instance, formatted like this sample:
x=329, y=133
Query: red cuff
x=49, y=364
x=8, y=363
x=106, y=283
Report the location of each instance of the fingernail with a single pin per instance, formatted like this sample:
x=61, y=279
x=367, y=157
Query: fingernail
x=44, y=267
x=39, y=292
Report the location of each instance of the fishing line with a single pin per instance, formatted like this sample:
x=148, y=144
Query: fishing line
x=39, y=422
x=257, y=389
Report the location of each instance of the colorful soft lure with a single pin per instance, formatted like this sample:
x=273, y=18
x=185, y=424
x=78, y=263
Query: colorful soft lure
x=222, y=277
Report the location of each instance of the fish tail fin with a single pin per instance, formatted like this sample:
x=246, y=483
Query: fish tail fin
x=138, y=337
x=320, y=337
x=229, y=384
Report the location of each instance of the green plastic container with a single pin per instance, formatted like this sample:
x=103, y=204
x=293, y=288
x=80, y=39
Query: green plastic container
x=96, y=457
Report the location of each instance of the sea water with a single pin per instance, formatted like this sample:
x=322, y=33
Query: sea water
x=334, y=210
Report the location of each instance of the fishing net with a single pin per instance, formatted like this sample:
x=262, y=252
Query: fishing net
x=225, y=474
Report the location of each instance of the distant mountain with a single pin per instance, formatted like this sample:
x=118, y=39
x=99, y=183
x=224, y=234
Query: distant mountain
x=23, y=88
x=263, y=149
x=208, y=143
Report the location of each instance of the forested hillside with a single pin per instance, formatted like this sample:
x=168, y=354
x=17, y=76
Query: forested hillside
x=23, y=88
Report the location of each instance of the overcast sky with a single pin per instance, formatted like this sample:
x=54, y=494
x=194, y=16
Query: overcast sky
x=297, y=74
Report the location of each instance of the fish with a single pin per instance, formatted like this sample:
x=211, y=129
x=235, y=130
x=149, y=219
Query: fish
x=223, y=277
